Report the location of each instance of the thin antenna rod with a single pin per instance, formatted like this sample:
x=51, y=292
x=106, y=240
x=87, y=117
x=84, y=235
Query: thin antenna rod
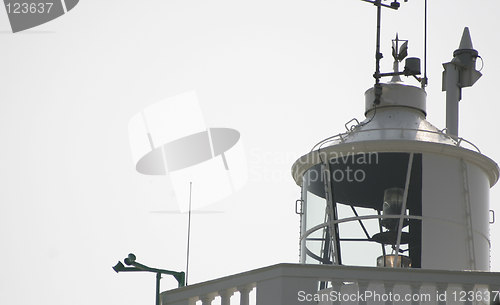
x=424, y=81
x=189, y=232
x=378, y=55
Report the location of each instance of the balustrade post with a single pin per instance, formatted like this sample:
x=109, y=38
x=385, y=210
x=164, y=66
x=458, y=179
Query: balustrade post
x=245, y=294
x=207, y=299
x=225, y=296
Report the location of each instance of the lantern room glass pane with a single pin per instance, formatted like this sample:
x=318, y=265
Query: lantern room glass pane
x=315, y=205
x=358, y=200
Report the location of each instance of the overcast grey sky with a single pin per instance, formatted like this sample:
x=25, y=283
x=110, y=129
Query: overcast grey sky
x=286, y=74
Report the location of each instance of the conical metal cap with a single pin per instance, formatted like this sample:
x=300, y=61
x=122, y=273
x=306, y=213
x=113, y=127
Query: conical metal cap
x=466, y=41
x=466, y=48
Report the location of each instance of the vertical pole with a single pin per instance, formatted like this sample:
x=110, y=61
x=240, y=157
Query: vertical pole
x=452, y=98
x=403, y=208
x=303, y=222
x=331, y=215
x=189, y=232
x=158, y=278
x=378, y=55
x=381, y=230
x=424, y=80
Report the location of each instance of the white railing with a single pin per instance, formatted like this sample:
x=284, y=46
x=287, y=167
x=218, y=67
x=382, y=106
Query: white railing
x=342, y=137
x=294, y=284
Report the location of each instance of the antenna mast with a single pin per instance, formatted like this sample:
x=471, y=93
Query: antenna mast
x=189, y=231
x=425, y=80
x=412, y=67
x=378, y=55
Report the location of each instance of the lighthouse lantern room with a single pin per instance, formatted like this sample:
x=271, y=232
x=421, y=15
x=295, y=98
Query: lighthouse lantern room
x=394, y=190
